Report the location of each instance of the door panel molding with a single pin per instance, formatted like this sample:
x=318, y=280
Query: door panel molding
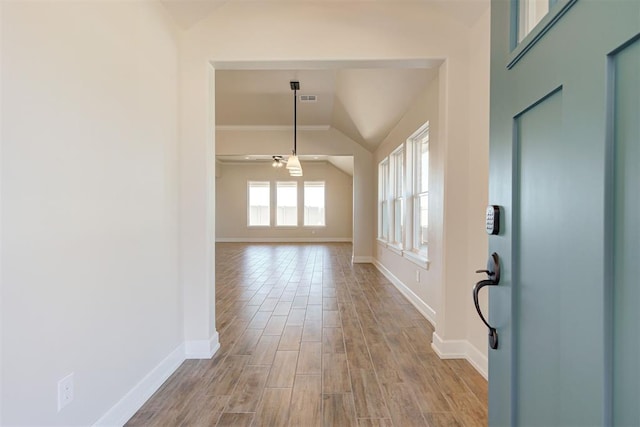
x=622, y=235
x=538, y=101
x=539, y=131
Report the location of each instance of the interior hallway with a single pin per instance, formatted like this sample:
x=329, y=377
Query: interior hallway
x=309, y=339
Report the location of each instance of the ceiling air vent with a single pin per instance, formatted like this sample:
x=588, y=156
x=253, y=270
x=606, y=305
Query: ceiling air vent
x=308, y=98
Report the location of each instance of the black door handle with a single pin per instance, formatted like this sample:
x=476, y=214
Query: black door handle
x=493, y=271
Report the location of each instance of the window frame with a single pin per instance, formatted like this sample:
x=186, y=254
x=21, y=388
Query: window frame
x=277, y=205
x=397, y=222
x=399, y=183
x=250, y=183
x=383, y=195
x=316, y=184
x=416, y=142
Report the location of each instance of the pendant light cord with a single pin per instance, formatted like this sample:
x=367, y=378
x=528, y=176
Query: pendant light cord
x=295, y=122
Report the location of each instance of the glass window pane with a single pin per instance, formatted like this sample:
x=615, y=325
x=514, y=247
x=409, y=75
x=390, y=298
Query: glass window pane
x=259, y=203
x=399, y=220
x=424, y=167
x=385, y=221
x=383, y=192
x=424, y=218
x=399, y=173
x=287, y=203
x=530, y=12
x=420, y=175
x=314, y=213
x=397, y=193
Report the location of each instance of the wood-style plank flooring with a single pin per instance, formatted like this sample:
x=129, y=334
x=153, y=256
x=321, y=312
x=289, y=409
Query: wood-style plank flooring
x=308, y=339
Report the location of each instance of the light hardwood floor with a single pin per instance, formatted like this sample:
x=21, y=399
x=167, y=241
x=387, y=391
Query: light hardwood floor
x=308, y=339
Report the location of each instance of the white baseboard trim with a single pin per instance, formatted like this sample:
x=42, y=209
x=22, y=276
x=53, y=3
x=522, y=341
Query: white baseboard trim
x=461, y=349
x=478, y=360
x=424, y=308
x=362, y=260
x=126, y=407
x=449, y=349
x=202, y=349
x=282, y=239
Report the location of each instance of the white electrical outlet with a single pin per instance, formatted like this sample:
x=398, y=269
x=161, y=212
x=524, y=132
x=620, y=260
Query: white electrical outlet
x=417, y=275
x=65, y=391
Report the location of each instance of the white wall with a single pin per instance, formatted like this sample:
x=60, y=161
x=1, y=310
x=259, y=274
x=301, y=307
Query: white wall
x=89, y=260
x=427, y=289
x=231, y=200
x=89, y=204
x=464, y=190
x=458, y=183
x=332, y=142
x=1, y=222
x=479, y=51
x=308, y=35
x=197, y=204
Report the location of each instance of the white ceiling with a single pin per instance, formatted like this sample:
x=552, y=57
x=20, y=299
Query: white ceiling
x=364, y=104
x=187, y=13
x=362, y=100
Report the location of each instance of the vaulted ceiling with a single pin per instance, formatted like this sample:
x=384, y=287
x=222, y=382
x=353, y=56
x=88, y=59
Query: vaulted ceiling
x=363, y=102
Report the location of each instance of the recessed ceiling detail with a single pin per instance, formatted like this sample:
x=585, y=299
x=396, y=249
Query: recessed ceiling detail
x=362, y=103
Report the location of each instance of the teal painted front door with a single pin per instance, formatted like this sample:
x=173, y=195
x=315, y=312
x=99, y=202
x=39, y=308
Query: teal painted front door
x=565, y=169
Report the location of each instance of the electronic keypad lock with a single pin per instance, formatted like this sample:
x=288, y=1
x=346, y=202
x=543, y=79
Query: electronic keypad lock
x=493, y=219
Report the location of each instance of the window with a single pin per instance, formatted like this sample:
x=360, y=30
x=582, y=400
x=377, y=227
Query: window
x=420, y=192
x=383, y=205
x=403, y=198
x=314, y=203
x=259, y=203
x=397, y=197
x=530, y=12
x=287, y=203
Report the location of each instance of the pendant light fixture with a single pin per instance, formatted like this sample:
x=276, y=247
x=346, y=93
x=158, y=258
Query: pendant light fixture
x=293, y=163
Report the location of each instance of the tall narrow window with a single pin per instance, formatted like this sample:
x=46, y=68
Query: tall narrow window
x=397, y=165
x=314, y=203
x=420, y=155
x=383, y=205
x=287, y=203
x=259, y=203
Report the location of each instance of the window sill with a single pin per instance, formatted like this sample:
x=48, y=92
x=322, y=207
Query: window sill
x=315, y=226
x=419, y=260
x=396, y=249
